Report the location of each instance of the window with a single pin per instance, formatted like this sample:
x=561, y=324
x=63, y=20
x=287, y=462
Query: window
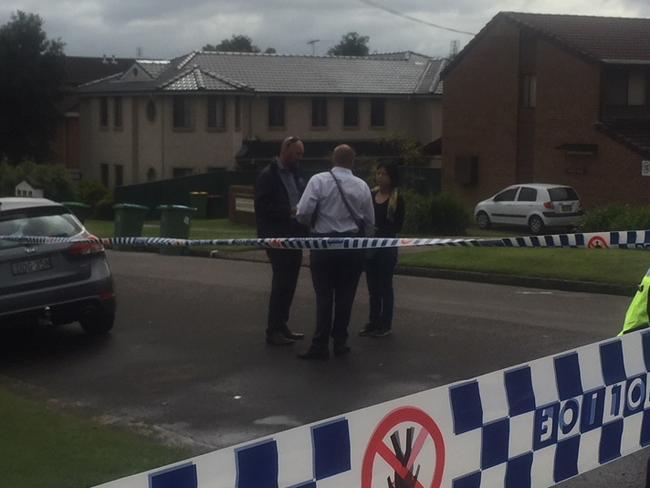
x=119, y=175
x=636, y=89
x=506, y=196
x=180, y=172
x=103, y=112
x=182, y=113
x=216, y=112
x=104, y=175
x=117, y=112
x=237, y=113
x=529, y=91
x=151, y=111
x=377, y=112
x=276, y=111
x=625, y=89
x=319, y=112
x=527, y=195
x=563, y=194
x=351, y=112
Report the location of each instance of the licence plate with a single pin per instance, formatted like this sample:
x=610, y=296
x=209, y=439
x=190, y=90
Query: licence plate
x=31, y=266
x=566, y=208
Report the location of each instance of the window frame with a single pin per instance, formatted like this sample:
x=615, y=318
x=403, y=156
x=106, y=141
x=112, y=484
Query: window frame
x=351, y=103
x=375, y=104
x=187, y=113
x=118, y=114
x=319, y=115
x=119, y=174
x=220, y=122
x=103, y=112
x=276, y=109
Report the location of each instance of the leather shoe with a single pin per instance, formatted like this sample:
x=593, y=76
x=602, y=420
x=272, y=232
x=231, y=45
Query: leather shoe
x=277, y=338
x=315, y=354
x=341, y=350
x=294, y=336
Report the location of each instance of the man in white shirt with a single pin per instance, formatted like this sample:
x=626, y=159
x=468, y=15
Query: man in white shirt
x=336, y=204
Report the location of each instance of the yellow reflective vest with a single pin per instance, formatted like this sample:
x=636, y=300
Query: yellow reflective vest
x=636, y=316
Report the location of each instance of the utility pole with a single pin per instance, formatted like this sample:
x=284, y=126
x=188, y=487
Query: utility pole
x=313, y=46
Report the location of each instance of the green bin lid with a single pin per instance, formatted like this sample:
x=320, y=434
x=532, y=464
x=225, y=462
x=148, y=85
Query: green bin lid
x=132, y=206
x=176, y=207
x=75, y=204
x=198, y=193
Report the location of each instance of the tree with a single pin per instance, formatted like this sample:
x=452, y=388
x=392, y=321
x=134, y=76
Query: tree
x=237, y=43
x=351, y=44
x=30, y=85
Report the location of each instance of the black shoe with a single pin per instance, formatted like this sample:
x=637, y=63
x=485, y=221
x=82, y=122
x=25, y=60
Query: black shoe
x=367, y=330
x=341, y=350
x=277, y=338
x=294, y=336
x=383, y=332
x=315, y=354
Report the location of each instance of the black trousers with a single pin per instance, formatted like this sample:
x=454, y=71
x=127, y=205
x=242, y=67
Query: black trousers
x=335, y=275
x=380, y=267
x=286, y=267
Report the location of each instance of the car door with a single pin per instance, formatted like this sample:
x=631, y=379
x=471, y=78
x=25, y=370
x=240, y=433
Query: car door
x=502, y=207
x=525, y=205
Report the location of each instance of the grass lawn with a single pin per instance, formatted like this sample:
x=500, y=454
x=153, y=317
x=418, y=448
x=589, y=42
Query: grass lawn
x=200, y=229
x=42, y=447
x=618, y=266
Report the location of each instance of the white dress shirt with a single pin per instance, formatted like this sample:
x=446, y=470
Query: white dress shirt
x=323, y=197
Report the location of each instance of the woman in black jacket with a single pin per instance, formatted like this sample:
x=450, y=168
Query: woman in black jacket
x=380, y=263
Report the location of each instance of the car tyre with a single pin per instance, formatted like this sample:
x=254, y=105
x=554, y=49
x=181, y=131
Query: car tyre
x=97, y=323
x=483, y=220
x=536, y=224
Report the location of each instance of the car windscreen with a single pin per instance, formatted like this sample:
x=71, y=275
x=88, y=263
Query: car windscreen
x=562, y=194
x=40, y=222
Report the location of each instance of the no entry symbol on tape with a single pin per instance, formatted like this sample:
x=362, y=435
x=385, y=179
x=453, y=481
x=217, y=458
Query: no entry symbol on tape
x=597, y=242
x=423, y=452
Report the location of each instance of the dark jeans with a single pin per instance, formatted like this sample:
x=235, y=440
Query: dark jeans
x=335, y=275
x=380, y=267
x=286, y=267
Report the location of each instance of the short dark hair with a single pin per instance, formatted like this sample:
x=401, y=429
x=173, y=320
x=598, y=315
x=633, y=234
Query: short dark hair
x=392, y=170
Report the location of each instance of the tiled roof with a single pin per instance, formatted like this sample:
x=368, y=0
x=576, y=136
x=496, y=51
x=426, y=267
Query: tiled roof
x=79, y=70
x=635, y=134
x=153, y=67
x=602, y=38
x=403, y=74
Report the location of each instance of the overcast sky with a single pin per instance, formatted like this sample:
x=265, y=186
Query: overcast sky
x=168, y=28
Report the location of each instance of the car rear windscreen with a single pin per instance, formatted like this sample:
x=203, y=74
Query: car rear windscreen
x=562, y=194
x=44, y=222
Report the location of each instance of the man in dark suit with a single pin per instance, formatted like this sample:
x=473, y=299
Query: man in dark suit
x=277, y=192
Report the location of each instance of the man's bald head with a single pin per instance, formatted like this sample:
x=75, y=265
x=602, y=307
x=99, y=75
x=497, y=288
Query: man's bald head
x=343, y=156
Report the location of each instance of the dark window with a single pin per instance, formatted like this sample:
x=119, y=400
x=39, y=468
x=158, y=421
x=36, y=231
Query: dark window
x=151, y=111
x=216, y=112
x=104, y=175
x=636, y=89
x=529, y=91
x=616, y=88
x=378, y=112
x=276, y=111
x=527, y=195
x=351, y=112
x=237, y=113
x=119, y=175
x=182, y=113
x=103, y=112
x=561, y=194
x=506, y=196
x=180, y=172
x=117, y=112
x=319, y=112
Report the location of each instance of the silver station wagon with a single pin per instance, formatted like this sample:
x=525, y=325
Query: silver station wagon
x=52, y=283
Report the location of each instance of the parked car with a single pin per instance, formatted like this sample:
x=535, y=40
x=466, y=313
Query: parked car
x=536, y=206
x=52, y=283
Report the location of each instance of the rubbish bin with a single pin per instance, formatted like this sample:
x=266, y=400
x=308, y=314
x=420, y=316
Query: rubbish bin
x=78, y=209
x=175, y=221
x=129, y=220
x=199, y=200
x=216, y=207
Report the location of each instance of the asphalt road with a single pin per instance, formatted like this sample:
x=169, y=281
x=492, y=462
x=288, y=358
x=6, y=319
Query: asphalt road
x=187, y=357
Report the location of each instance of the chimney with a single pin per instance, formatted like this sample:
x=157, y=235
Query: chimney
x=113, y=60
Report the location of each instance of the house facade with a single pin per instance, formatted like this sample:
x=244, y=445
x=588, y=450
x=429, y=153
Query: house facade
x=164, y=119
x=550, y=99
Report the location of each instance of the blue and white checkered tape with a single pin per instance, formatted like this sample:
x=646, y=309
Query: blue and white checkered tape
x=532, y=425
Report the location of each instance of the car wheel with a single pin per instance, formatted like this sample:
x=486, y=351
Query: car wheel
x=536, y=224
x=97, y=323
x=482, y=220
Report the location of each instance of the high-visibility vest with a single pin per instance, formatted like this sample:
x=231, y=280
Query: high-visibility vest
x=637, y=316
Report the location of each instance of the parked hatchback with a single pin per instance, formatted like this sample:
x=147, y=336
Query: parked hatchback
x=52, y=283
x=536, y=206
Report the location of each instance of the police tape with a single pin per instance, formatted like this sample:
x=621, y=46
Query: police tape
x=637, y=239
x=532, y=425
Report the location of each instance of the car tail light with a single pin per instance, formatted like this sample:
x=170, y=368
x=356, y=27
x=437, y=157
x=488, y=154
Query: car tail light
x=86, y=248
x=548, y=205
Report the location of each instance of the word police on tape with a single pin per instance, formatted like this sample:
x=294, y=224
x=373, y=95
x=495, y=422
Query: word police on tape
x=532, y=425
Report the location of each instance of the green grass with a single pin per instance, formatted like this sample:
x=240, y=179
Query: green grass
x=618, y=266
x=42, y=447
x=200, y=229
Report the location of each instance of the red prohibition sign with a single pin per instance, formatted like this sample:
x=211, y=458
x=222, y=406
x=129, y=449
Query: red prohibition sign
x=597, y=242
x=377, y=446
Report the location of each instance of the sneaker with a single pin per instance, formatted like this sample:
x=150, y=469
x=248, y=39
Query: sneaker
x=380, y=332
x=367, y=330
x=277, y=338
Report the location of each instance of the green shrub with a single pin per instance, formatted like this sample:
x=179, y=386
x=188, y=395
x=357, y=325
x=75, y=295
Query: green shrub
x=91, y=192
x=616, y=217
x=416, y=216
x=104, y=209
x=439, y=214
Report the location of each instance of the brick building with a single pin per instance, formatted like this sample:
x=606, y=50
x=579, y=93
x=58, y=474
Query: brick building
x=550, y=99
